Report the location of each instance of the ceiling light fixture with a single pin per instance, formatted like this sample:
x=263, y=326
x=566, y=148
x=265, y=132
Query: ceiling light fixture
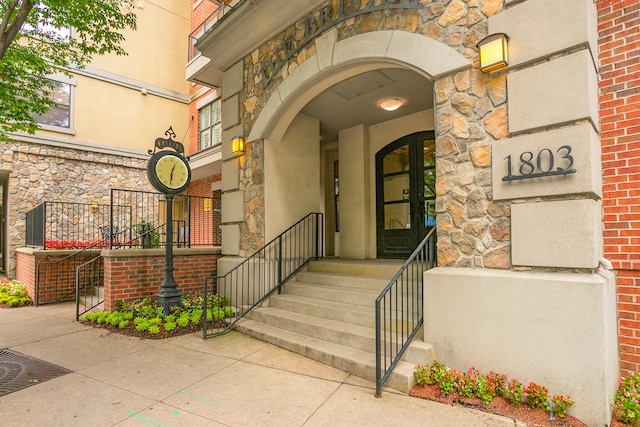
x=391, y=104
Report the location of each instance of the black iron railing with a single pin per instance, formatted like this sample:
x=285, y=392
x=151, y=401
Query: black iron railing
x=399, y=309
x=89, y=286
x=60, y=225
x=205, y=26
x=264, y=272
x=133, y=219
x=56, y=279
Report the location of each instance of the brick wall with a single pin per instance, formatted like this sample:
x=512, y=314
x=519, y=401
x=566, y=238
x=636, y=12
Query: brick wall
x=129, y=274
x=132, y=274
x=619, y=43
x=208, y=217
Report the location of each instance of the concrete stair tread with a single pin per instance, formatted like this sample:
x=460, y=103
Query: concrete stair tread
x=335, y=288
x=357, y=362
x=336, y=325
x=301, y=299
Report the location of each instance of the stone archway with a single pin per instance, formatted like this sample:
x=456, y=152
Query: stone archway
x=338, y=60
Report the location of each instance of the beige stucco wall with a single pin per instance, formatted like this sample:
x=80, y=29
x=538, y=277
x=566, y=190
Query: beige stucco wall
x=157, y=50
x=292, y=175
x=556, y=329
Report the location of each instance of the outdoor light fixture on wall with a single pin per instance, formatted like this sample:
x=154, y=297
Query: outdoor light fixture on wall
x=237, y=145
x=494, y=52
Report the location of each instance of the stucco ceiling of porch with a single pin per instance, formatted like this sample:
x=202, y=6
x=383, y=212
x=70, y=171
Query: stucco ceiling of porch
x=355, y=101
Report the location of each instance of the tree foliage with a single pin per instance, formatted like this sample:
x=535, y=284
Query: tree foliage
x=39, y=38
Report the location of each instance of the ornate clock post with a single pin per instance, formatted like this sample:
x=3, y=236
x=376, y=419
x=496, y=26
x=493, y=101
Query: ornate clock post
x=170, y=174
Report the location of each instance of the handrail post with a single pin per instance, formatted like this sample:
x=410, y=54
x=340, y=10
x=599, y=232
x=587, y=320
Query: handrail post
x=279, y=264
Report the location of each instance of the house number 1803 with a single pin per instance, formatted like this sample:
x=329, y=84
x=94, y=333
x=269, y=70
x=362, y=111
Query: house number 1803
x=530, y=165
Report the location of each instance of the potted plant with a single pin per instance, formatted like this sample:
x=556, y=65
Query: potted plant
x=148, y=233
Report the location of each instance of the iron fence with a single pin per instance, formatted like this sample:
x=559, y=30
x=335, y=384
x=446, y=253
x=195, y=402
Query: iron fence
x=264, y=272
x=133, y=219
x=66, y=225
x=399, y=309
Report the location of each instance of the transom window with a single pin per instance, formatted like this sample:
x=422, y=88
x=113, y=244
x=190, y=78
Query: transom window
x=210, y=128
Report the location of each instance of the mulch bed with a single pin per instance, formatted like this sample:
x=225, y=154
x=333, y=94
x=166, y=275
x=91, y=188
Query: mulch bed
x=499, y=406
x=131, y=330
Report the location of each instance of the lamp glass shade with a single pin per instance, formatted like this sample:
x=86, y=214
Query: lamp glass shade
x=494, y=53
x=391, y=104
x=237, y=145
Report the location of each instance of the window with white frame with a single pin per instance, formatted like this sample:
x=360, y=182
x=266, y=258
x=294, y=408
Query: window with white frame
x=210, y=128
x=60, y=113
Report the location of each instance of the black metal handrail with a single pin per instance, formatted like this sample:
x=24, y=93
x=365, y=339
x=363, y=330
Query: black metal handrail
x=89, y=281
x=56, y=280
x=399, y=309
x=263, y=273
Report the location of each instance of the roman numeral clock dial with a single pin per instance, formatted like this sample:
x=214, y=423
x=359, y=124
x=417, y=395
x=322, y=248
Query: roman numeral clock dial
x=168, y=172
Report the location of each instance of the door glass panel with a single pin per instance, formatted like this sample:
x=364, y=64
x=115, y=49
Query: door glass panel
x=396, y=187
x=429, y=183
x=396, y=161
x=397, y=216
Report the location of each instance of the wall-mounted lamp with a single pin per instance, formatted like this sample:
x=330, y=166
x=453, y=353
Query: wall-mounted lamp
x=494, y=52
x=237, y=145
x=94, y=206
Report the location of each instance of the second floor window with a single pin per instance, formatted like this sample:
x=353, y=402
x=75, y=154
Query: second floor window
x=60, y=113
x=210, y=128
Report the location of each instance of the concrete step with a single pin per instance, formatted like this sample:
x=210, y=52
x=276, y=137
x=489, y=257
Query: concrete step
x=345, y=281
x=361, y=297
x=350, y=313
x=360, y=337
x=333, y=310
x=357, y=362
x=382, y=268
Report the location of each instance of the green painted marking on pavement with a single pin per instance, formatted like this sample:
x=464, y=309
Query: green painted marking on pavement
x=176, y=413
x=202, y=399
x=149, y=420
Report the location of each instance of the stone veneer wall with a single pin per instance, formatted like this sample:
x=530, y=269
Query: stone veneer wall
x=41, y=173
x=470, y=113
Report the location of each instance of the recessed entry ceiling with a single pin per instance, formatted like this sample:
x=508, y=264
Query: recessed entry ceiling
x=355, y=100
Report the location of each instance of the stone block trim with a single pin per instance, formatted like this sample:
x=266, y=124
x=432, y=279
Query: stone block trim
x=619, y=30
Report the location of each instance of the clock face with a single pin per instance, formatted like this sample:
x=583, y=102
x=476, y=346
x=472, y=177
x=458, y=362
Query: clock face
x=169, y=172
x=172, y=171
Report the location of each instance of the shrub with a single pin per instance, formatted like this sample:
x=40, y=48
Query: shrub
x=513, y=392
x=626, y=404
x=13, y=293
x=537, y=396
x=560, y=405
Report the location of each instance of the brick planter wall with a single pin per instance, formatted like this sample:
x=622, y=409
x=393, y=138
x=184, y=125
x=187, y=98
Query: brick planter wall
x=129, y=274
x=136, y=274
x=619, y=36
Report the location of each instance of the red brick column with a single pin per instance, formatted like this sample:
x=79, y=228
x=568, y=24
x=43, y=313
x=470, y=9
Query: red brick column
x=619, y=60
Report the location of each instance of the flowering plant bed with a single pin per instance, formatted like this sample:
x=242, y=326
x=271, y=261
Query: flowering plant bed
x=13, y=294
x=74, y=244
x=145, y=319
x=493, y=393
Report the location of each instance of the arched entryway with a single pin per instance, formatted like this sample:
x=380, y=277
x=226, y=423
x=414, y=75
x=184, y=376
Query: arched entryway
x=405, y=194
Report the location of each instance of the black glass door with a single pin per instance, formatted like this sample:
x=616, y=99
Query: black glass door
x=405, y=194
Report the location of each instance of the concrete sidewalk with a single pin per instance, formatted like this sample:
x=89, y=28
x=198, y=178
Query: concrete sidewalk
x=233, y=380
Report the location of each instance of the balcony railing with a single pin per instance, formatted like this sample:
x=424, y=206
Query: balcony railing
x=205, y=26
